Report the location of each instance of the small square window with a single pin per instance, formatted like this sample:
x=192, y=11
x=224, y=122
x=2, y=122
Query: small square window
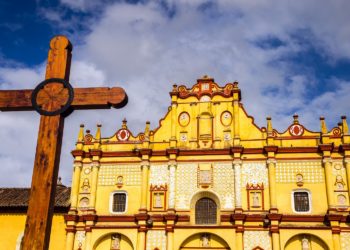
x=301, y=201
x=119, y=202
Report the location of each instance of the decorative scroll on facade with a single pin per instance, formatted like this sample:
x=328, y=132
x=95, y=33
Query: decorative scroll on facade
x=311, y=171
x=156, y=239
x=253, y=239
x=108, y=175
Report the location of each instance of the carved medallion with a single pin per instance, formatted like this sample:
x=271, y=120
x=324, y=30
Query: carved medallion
x=184, y=119
x=296, y=130
x=52, y=97
x=123, y=134
x=226, y=118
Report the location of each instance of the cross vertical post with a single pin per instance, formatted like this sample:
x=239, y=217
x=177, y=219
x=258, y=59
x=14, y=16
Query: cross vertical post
x=54, y=99
x=47, y=157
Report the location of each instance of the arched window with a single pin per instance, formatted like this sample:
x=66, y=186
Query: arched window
x=206, y=210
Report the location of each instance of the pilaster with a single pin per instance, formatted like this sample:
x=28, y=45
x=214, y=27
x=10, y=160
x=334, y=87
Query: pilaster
x=236, y=99
x=172, y=154
x=239, y=225
x=334, y=220
x=327, y=165
x=75, y=186
x=173, y=117
x=96, y=155
x=274, y=229
x=271, y=165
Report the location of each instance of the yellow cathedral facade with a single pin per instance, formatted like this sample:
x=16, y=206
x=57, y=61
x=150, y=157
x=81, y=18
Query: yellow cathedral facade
x=206, y=178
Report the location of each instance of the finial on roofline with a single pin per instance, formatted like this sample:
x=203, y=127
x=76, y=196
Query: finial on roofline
x=345, y=125
x=81, y=133
x=269, y=126
x=324, y=129
x=124, y=124
x=296, y=119
x=98, y=132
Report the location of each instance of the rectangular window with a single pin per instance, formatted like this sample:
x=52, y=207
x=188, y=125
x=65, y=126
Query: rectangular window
x=119, y=202
x=301, y=202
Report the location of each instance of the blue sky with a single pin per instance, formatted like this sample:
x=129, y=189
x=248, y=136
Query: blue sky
x=289, y=57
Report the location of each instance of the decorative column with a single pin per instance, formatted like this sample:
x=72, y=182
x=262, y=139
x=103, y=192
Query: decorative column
x=237, y=164
x=144, y=186
x=172, y=181
x=193, y=126
x=239, y=225
x=326, y=149
x=70, y=240
x=75, y=186
x=334, y=220
x=271, y=165
x=95, y=169
x=77, y=167
x=236, y=100
x=88, y=240
x=174, y=122
x=347, y=167
x=142, y=230
x=96, y=154
x=346, y=149
x=271, y=151
x=274, y=229
x=170, y=222
x=216, y=125
x=327, y=163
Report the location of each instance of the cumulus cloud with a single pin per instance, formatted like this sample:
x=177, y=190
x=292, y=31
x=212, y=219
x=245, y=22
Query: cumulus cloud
x=147, y=46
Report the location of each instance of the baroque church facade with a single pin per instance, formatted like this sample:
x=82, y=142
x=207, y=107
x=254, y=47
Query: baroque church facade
x=206, y=178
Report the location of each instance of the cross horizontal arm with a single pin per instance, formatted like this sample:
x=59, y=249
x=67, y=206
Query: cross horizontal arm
x=84, y=98
x=15, y=100
x=94, y=98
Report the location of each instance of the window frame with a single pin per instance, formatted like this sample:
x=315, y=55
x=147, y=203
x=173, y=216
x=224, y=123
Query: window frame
x=293, y=201
x=111, y=199
x=216, y=212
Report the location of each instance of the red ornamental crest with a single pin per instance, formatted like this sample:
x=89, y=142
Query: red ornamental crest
x=296, y=130
x=123, y=135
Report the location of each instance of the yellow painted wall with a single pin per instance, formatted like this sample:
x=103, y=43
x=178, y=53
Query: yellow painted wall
x=12, y=226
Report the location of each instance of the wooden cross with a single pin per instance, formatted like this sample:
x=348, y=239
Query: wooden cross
x=53, y=99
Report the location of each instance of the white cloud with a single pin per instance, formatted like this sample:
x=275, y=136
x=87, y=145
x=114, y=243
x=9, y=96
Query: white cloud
x=144, y=49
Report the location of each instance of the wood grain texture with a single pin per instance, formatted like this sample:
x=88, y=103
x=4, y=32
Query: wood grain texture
x=41, y=202
x=46, y=164
x=84, y=98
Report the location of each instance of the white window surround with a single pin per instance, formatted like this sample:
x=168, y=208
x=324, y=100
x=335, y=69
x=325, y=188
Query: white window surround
x=111, y=201
x=310, y=200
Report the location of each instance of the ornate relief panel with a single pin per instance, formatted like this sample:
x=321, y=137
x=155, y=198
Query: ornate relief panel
x=85, y=179
x=186, y=184
x=255, y=172
x=108, y=175
x=159, y=175
x=156, y=239
x=340, y=187
x=253, y=239
x=345, y=241
x=80, y=238
x=224, y=184
x=311, y=171
x=219, y=179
